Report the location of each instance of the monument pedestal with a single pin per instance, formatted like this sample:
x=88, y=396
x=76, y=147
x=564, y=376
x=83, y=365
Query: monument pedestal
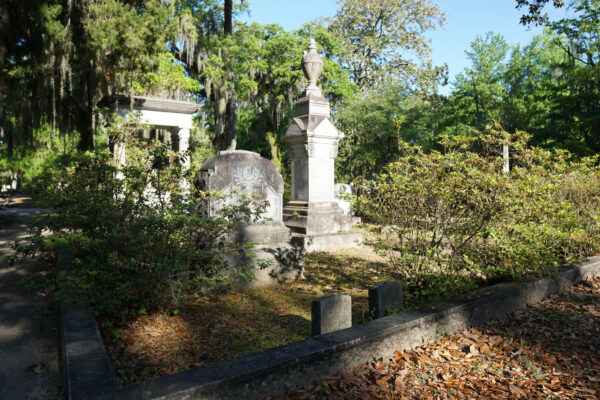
x=319, y=226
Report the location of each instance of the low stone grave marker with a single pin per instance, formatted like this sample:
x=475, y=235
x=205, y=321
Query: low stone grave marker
x=385, y=296
x=341, y=189
x=331, y=313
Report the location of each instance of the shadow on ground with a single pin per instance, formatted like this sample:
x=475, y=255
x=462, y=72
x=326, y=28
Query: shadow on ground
x=28, y=325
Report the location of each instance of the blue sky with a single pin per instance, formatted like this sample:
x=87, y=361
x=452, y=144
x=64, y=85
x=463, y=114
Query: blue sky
x=465, y=20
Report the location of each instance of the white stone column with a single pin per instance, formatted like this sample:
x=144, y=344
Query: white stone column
x=184, y=144
x=506, y=157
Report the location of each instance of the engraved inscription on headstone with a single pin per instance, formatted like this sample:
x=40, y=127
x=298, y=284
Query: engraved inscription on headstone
x=248, y=175
x=239, y=173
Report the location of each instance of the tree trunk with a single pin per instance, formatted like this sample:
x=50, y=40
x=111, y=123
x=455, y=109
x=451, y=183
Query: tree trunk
x=230, y=123
x=83, y=94
x=228, y=21
x=7, y=135
x=230, y=130
x=4, y=37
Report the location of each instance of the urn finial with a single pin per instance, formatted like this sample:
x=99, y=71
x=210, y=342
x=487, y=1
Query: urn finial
x=312, y=65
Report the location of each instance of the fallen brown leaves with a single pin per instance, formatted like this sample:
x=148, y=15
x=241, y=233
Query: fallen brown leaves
x=547, y=351
x=203, y=331
x=150, y=346
x=208, y=330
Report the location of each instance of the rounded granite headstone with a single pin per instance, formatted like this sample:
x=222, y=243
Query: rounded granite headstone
x=243, y=172
x=240, y=172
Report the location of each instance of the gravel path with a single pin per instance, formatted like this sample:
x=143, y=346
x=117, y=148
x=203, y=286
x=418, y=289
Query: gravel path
x=29, y=327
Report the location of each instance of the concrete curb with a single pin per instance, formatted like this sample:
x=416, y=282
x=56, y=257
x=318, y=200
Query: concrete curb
x=86, y=369
x=88, y=374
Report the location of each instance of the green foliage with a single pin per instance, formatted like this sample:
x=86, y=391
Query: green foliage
x=79, y=52
x=576, y=105
x=26, y=163
x=371, y=126
x=424, y=287
x=548, y=88
x=374, y=125
x=139, y=234
x=260, y=66
x=384, y=41
x=483, y=83
x=457, y=212
x=55, y=72
x=169, y=77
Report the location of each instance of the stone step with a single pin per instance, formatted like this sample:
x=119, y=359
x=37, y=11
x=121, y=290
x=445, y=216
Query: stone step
x=296, y=224
x=297, y=229
x=295, y=212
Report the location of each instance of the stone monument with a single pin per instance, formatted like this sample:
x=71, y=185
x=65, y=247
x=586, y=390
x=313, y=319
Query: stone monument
x=313, y=214
x=339, y=191
x=238, y=173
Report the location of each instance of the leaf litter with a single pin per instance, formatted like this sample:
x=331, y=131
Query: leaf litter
x=550, y=350
x=206, y=331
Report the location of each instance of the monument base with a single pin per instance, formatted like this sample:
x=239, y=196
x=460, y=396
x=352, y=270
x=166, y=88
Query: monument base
x=327, y=241
x=262, y=233
x=320, y=226
x=272, y=260
x=315, y=218
x=274, y=264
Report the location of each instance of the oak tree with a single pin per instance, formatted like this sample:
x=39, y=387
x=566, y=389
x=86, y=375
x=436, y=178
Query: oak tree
x=384, y=40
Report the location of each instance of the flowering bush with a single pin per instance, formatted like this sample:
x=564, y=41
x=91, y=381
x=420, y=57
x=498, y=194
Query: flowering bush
x=457, y=211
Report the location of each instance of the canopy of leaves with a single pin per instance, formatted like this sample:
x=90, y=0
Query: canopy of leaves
x=262, y=65
x=384, y=41
x=70, y=54
x=534, y=10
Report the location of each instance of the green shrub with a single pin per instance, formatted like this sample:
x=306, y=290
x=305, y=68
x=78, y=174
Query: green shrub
x=138, y=231
x=458, y=211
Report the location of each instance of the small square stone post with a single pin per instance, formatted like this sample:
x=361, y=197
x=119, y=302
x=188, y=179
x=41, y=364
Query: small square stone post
x=331, y=313
x=385, y=296
x=506, y=157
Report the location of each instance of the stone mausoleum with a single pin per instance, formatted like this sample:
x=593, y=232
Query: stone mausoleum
x=170, y=121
